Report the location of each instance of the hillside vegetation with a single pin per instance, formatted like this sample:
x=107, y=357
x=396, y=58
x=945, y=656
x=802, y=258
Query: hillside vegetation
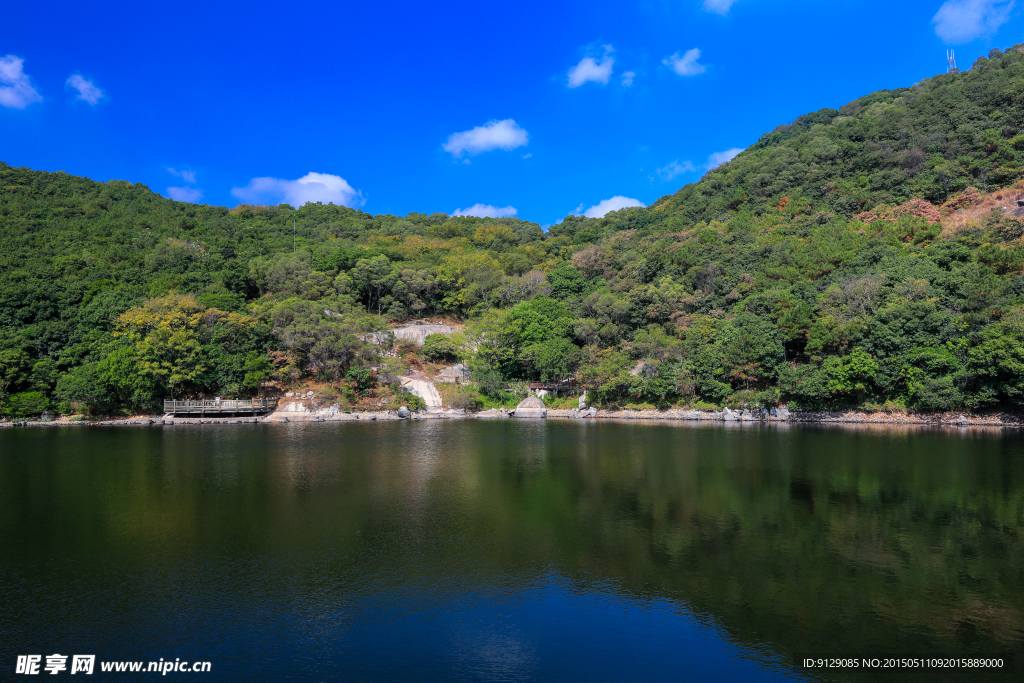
x=858, y=256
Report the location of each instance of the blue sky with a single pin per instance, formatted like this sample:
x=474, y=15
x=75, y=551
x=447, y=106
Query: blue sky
x=537, y=110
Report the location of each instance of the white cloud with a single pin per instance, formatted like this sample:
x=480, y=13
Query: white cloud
x=613, y=204
x=187, y=176
x=718, y=158
x=527, y=156
x=185, y=194
x=312, y=187
x=676, y=169
x=718, y=6
x=486, y=211
x=685, y=65
x=589, y=69
x=16, y=89
x=627, y=78
x=961, y=21
x=87, y=90
x=493, y=135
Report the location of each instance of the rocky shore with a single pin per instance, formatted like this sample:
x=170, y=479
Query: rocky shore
x=783, y=415
x=297, y=413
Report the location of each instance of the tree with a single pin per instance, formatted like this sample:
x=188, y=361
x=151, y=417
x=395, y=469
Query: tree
x=257, y=370
x=13, y=368
x=567, y=282
x=606, y=374
x=488, y=378
x=44, y=376
x=168, y=334
x=165, y=334
x=534, y=341
x=375, y=279
x=324, y=338
x=550, y=360
x=998, y=357
x=25, y=404
x=467, y=279
x=851, y=375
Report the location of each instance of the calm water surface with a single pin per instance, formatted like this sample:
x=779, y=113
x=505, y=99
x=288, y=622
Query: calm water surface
x=508, y=551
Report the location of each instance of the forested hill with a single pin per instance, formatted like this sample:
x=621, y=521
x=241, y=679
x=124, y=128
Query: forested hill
x=930, y=141
x=855, y=257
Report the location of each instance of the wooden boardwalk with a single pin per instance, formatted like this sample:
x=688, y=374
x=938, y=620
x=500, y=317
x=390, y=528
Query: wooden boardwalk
x=223, y=407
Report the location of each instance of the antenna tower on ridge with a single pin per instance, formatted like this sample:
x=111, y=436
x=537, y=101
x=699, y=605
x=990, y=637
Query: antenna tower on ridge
x=951, y=61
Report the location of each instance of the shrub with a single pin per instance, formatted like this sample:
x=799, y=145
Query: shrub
x=466, y=399
x=360, y=378
x=406, y=346
x=404, y=397
x=327, y=395
x=440, y=347
x=488, y=379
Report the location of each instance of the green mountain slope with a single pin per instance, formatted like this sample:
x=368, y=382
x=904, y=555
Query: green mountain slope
x=931, y=140
x=858, y=257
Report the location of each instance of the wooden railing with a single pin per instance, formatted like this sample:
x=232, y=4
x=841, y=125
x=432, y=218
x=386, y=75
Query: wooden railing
x=255, y=405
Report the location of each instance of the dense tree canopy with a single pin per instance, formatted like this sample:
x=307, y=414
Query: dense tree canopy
x=857, y=256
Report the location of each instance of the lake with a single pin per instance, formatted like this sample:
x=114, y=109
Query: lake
x=510, y=550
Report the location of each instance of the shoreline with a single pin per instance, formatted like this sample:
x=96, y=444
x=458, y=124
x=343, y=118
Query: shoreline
x=783, y=416
x=947, y=419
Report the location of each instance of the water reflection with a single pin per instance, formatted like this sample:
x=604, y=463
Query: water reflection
x=511, y=550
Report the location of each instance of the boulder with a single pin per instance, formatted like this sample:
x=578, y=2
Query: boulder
x=404, y=413
x=531, y=406
x=729, y=415
x=583, y=401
